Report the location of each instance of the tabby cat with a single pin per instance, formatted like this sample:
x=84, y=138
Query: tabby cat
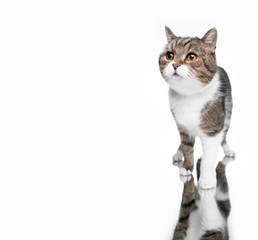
x=203, y=213
x=200, y=100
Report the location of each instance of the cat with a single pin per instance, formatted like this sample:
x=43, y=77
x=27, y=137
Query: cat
x=200, y=100
x=203, y=213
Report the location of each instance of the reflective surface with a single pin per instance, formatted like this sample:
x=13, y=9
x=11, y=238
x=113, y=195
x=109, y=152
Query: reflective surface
x=203, y=213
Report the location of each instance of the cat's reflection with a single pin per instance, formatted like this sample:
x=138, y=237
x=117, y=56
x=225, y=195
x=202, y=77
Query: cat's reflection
x=203, y=213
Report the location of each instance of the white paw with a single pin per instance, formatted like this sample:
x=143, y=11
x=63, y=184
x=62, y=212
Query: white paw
x=230, y=153
x=227, y=151
x=207, y=183
x=178, y=164
x=184, y=172
x=227, y=160
x=178, y=156
x=185, y=179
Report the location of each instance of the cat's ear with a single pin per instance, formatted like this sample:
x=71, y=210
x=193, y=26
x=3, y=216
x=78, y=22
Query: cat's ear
x=210, y=39
x=170, y=35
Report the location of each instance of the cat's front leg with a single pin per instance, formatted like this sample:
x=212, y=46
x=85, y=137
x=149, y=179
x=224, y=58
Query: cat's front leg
x=187, y=144
x=210, y=146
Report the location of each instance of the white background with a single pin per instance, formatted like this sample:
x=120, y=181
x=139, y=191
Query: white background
x=86, y=135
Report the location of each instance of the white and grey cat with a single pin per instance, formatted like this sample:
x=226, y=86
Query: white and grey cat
x=200, y=100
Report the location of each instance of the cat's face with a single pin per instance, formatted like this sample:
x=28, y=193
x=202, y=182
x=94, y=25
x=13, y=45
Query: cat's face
x=189, y=64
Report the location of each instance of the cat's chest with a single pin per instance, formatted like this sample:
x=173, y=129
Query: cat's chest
x=187, y=110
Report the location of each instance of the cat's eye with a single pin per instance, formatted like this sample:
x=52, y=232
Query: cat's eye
x=191, y=57
x=170, y=56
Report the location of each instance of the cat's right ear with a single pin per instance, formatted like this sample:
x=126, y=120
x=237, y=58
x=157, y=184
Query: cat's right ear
x=170, y=35
x=210, y=39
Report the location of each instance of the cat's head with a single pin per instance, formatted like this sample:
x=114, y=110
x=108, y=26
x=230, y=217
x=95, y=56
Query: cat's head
x=189, y=64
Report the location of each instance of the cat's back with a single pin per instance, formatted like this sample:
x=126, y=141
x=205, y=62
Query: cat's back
x=225, y=86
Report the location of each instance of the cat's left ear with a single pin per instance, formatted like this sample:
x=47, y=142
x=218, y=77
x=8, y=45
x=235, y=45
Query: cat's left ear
x=170, y=35
x=210, y=39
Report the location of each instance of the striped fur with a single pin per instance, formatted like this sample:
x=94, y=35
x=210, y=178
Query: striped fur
x=187, y=206
x=186, y=146
x=200, y=99
x=203, y=214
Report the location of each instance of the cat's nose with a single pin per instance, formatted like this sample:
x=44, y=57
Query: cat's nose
x=175, y=65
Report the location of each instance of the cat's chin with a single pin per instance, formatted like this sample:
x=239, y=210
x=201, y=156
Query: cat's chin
x=173, y=78
x=185, y=86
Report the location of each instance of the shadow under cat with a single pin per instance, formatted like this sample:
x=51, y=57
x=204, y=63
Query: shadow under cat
x=203, y=213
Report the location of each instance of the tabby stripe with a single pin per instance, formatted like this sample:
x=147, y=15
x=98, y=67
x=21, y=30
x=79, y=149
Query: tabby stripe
x=205, y=65
x=183, y=219
x=213, y=133
x=187, y=205
x=224, y=207
x=203, y=74
x=212, y=234
x=183, y=134
x=174, y=44
x=190, y=46
x=223, y=103
x=184, y=44
x=187, y=153
x=179, y=41
x=190, y=144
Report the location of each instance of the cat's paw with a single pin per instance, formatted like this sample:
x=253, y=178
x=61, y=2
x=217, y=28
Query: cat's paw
x=207, y=182
x=178, y=156
x=230, y=154
x=185, y=179
x=178, y=164
x=227, y=160
x=184, y=172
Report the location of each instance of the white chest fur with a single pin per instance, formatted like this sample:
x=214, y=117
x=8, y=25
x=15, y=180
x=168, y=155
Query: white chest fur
x=187, y=108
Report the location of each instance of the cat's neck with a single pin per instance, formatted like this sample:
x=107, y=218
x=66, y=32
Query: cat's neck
x=197, y=88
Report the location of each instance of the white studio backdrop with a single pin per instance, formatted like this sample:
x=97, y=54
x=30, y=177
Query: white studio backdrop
x=86, y=135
